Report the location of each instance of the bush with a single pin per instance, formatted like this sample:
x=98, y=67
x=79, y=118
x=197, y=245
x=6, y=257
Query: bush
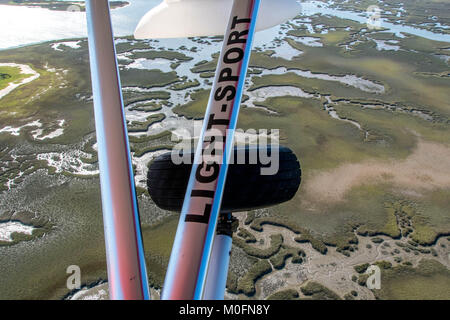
x=384, y=264
x=362, y=279
x=377, y=240
x=361, y=268
x=289, y=294
x=279, y=260
x=246, y=235
x=413, y=243
x=232, y=282
x=315, y=243
x=348, y=296
x=351, y=295
x=276, y=240
x=250, y=217
x=318, y=292
x=247, y=284
x=305, y=235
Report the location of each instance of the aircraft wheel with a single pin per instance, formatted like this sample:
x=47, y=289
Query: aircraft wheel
x=245, y=189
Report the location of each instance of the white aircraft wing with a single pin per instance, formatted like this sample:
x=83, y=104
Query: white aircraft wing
x=192, y=18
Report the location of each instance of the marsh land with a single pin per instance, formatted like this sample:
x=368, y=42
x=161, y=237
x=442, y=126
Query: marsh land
x=365, y=110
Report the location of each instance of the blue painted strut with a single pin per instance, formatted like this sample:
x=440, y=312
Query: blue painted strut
x=226, y=158
x=191, y=252
x=216, y=281
x=127, y=275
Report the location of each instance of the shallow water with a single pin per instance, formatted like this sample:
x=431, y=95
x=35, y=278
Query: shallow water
x=315, y=7
x=351, y=80
x=10, y=227
x=32, y=25
x=24, y=25
x=149, y=64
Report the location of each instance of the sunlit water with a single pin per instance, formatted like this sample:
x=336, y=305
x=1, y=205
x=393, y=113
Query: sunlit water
x=24, y=25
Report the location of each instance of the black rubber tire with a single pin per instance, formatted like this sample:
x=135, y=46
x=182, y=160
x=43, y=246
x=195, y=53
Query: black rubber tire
x=245, y=189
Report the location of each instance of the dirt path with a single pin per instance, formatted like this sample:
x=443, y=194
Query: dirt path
x=424, y=170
